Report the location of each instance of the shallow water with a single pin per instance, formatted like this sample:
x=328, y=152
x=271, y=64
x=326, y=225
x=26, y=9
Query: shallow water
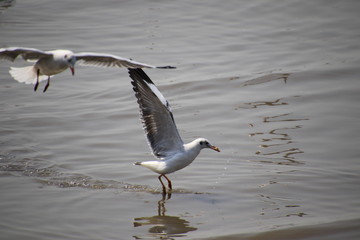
x=274, y=85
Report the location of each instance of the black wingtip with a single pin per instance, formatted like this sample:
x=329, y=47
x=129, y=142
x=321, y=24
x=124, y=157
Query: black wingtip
x=166, y=67
x=139, y=73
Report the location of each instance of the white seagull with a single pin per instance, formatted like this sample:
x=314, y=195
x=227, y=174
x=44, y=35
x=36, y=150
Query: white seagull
x=161, y=132
x=49, y=63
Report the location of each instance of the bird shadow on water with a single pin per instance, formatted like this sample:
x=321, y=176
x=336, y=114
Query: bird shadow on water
x=162, y=226
x=158, y=226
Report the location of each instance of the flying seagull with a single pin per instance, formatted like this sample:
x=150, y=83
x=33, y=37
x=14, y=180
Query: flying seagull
x=161, y=132
x=49, y=63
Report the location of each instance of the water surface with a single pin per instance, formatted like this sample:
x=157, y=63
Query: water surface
x=274, y=85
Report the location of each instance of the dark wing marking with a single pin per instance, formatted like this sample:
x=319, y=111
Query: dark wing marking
x=26, y=53
x=156, y=116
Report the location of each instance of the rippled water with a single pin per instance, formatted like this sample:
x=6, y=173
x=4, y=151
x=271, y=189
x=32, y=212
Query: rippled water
x=275, y=85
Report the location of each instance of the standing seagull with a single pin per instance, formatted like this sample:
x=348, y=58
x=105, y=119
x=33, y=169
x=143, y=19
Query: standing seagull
x=49, y=63
x=161, y=132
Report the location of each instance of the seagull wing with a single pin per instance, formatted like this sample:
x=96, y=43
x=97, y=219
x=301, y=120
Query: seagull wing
x=108, y=60
x=27, y=53
x=156, y=116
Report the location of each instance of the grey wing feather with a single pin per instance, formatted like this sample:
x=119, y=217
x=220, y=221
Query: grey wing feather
x=26, y=53
x=108, y=60
x=156, y=116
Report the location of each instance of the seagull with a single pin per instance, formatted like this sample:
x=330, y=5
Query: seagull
x=161, y=132
x=49, y=63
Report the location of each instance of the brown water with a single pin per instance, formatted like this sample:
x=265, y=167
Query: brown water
x=275, y=85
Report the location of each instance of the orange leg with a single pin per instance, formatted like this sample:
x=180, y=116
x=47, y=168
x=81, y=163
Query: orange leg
x=169, y=182
x=163, y=186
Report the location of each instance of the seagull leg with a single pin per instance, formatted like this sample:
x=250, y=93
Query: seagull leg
x=37, y=80
x=164, y=188
x=47, y=84
x=169, y=182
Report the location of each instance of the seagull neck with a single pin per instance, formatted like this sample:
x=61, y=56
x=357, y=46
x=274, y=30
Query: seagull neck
x=192, y=147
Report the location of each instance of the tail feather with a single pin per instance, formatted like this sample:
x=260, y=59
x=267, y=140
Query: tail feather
x=25, y=75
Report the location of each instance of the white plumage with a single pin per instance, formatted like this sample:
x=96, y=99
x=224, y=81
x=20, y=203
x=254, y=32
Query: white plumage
x=161, y=132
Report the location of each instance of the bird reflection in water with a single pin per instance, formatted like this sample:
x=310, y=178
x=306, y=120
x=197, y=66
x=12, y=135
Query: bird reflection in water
x=163, y=226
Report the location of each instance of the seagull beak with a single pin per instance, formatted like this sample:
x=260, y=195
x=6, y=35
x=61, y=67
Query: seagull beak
x=72, y=70
x=214, y=148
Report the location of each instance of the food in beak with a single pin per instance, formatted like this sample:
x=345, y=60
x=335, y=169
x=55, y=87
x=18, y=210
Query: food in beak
x=215, y=148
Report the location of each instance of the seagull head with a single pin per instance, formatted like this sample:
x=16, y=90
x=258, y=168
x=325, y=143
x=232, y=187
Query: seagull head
x=204, y=143
x=70, y=59
x=66, y=58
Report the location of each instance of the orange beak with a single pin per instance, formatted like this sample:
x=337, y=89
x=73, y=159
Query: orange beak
x=215, y=148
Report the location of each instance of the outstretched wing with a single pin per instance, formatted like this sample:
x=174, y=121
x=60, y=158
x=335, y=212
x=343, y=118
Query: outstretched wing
x=108, y=60
x=156, y=116
x=26, y=53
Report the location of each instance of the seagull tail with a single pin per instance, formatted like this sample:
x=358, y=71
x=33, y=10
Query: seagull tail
x=25, y=74
x=137, y=163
